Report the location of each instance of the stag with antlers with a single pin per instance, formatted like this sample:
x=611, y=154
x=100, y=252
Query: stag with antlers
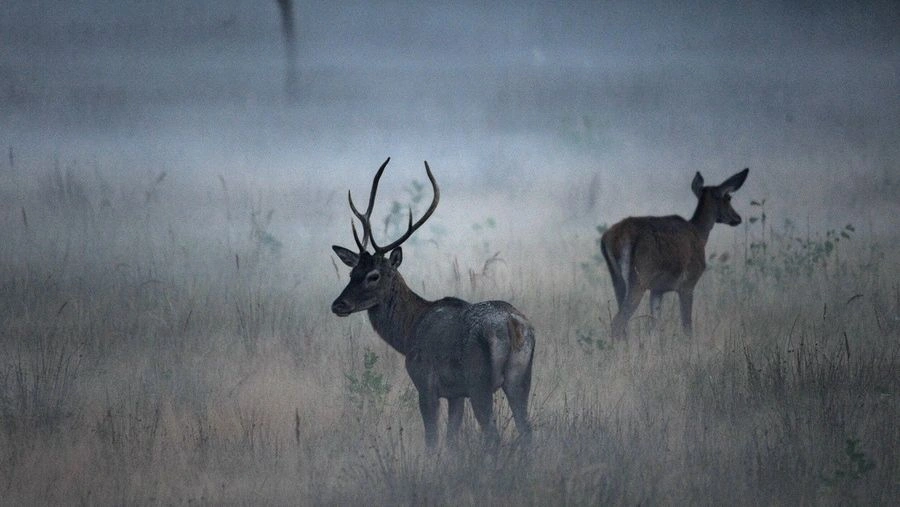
x=454, y=349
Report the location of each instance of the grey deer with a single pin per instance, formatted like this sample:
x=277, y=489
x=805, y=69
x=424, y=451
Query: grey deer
x=454, y=349
x=663, y=254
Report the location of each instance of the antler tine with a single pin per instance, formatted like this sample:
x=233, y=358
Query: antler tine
x=413, y=226
x=361, y=245
x=365, y=217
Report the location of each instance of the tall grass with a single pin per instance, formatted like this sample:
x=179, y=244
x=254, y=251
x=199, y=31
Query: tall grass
x=158, y=348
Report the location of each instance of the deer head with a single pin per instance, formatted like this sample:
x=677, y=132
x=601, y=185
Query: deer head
x=718, y=198
x=373, y=276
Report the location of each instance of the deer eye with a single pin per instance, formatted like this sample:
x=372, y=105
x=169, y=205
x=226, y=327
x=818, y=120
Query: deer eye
x=373, y=277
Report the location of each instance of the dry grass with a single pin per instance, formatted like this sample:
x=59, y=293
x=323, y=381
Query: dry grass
x=152, y=356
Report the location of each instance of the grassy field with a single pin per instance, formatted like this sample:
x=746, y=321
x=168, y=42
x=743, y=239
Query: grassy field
x=166, y=346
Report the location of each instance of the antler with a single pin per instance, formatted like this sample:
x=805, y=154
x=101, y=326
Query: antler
x=365, y=218
x=412, y=227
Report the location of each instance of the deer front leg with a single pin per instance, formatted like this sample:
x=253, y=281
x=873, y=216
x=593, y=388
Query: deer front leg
x=428, y=407
x=455, y=409
x=686, y=298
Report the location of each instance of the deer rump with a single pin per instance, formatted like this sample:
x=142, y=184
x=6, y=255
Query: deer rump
x=459, y=348
x=663, y=253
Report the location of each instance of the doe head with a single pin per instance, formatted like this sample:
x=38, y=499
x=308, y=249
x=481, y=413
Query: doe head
x=719, y=196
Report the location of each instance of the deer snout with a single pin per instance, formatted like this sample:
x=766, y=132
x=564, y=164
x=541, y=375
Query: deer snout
x=341, y=307
x=735, y=220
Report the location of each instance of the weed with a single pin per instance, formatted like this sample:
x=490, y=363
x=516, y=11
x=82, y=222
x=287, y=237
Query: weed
x=851, y=467
x=369, y=388
x=589, y=342
x=264, y=242
x=36, y=389
x=595, y=268
x=482, y=228
x=395, y=222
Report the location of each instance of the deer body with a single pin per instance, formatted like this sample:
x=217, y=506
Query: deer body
x=665, y=254
x=454, y=349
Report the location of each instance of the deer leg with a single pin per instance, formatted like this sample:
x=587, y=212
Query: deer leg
x=482, y=401
x=686, y=298
x=655, y=307
x=626, y=309
x=516, y=389
x=614, y=273
x=617, y=280
x=455, y=409
x=428, y=407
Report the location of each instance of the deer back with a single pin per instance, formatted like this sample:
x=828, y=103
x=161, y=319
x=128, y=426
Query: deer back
x=661, y=253
x=457, y=345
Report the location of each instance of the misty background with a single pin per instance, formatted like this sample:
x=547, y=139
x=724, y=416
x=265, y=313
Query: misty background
x=541, y=114
x=168, y=205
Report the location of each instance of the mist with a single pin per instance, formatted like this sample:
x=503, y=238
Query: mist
x=173, y=175
x=494, y=96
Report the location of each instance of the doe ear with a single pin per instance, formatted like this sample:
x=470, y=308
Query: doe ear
x=733, y=183
x=396, y=257
x=348, y=257
x=697, y=184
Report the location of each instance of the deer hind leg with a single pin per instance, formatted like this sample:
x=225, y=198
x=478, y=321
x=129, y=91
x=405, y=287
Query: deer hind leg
x=686, y=298
x=482, y=400
x=516, y=368
x=428, y=407
x=618, y=280
x=455, y=409
x=655, y=307
x=517, y=388
x=626, y=310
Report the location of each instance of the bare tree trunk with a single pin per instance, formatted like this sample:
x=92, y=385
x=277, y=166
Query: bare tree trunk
x=286, y=8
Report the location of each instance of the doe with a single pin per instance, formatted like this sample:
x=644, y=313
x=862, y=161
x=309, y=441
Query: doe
x=663, y=254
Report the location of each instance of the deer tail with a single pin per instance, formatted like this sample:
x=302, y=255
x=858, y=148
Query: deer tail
x=518, y=330
x=618, y=266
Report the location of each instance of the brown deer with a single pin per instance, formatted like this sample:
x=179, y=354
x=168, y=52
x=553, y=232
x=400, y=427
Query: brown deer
x=454, y=349
x=663, y=254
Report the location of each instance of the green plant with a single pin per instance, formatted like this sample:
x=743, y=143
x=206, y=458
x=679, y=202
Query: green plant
x=787, y=255
x=852, y=466
x=263, y=240
x=395, y=222
x=368, y=388
x=595, y=268
x=589, y=343
x=784, y=254
x=482, y=228
x=409, y=398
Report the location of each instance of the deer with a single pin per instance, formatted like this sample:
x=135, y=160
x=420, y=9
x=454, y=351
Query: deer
x=665, y=253
x=453, y=349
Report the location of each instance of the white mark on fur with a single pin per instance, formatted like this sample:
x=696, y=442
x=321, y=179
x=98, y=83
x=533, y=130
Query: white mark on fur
x=625, y=265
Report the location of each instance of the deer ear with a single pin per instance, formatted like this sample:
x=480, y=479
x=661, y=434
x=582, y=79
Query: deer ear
x=697, y=184
x=396, y=257
x=348, y=257
x=733, y=183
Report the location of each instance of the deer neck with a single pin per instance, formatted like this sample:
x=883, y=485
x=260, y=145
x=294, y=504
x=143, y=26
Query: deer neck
x=704, y=218
x=394, y=318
